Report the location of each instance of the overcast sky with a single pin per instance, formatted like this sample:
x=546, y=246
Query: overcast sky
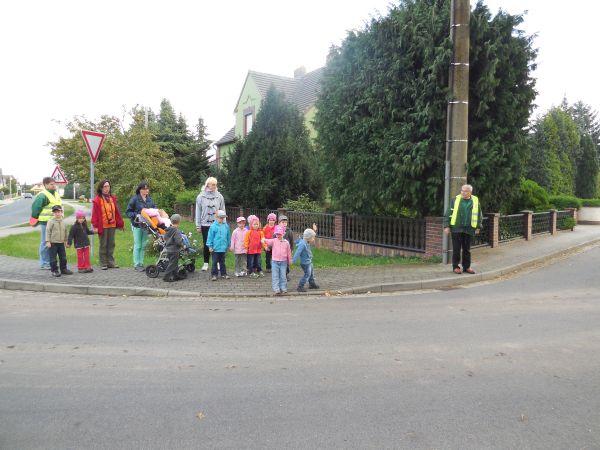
x=63, y=58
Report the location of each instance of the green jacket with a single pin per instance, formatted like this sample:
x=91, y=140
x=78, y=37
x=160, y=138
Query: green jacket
x=40, y=203
x=463, y=220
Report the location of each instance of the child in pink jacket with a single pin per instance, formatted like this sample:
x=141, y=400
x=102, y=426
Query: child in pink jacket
x=281, y=258
x=238, y=248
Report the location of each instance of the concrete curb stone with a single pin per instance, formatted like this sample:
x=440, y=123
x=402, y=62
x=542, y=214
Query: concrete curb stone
x=384, y=287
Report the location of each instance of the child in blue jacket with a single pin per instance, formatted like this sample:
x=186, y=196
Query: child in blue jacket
x=304, y=253
x=218, y=240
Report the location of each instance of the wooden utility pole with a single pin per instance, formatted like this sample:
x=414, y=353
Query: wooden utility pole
x=457, y=127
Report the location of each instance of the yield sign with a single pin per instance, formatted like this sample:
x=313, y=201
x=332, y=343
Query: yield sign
x=93, y=142
x=59, y=176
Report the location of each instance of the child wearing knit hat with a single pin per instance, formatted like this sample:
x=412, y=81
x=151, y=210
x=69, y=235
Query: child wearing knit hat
x=304, y=253
x=78, y=234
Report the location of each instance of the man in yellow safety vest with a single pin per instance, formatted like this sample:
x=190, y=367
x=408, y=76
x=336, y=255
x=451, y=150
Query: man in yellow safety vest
x=463, y=219
x=41, y=212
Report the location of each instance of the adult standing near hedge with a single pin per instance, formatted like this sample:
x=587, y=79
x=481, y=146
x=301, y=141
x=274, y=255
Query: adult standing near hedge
x=208, y=202
x=41, y=212
x=106, y=219
x=139, y=201
x=463, y=218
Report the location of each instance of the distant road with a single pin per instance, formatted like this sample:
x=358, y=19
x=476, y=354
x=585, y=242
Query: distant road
x=16, y=212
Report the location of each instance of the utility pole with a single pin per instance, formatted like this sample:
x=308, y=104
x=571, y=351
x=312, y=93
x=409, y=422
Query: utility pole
x=457, y=126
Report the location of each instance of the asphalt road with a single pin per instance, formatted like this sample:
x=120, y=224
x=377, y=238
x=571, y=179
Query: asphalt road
x=506, y=365
x=15, y=212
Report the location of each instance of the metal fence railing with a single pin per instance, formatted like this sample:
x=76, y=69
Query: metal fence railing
x=483, y=238
x=511, y=227
x=561, y=223
x=394, y=232
x=299, y=221
x=541, y=222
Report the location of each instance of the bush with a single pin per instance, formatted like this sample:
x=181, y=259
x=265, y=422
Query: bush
x=562, y=202
x=186, y=197
x=590, y=202
x=567, y=223
x=303, y=203
x=531, y=197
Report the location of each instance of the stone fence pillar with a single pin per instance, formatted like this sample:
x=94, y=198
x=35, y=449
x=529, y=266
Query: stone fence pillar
x=494, y=229
x=528, y=224
x=573, y=212
x=553, y=219
x=339, y=231
x=434, y=234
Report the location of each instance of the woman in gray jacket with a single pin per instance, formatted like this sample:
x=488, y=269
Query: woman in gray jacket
x=208, y=202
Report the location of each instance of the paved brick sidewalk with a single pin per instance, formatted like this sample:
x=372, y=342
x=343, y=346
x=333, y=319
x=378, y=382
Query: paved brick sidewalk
x=15, y=273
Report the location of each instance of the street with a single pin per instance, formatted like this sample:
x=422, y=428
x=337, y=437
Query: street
x=507, y=364
x=15, y=212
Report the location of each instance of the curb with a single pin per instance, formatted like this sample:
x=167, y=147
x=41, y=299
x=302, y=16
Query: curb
x=438, y=283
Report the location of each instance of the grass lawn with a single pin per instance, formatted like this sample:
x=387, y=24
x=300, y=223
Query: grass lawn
x=26, y=246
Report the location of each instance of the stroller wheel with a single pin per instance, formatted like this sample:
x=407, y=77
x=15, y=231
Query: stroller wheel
x=182, y=273
x=190, y=267
x=152, y=271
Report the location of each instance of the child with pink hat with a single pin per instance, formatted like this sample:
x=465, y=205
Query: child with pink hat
x=282, y=257
x=78, y=234
x=237, y=247
x=268, y=231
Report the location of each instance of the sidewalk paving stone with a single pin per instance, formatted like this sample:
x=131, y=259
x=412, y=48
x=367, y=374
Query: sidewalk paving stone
x=17, y=273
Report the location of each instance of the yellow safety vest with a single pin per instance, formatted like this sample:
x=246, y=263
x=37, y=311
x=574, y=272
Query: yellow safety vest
x=474, y=211
x=46, y=213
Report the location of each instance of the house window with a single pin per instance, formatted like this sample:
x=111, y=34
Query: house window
x=248, y=121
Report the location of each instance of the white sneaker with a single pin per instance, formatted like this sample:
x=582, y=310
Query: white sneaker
x=205, y=267
x=237, y=274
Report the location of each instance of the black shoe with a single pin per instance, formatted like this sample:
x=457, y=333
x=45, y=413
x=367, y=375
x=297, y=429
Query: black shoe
x=56, y=273
x=169, y=279
x=301, y=289
x=313, y=286
x=66, y=272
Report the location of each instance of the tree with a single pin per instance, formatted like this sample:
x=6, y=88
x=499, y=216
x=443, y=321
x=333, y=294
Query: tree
x=276, y=161
x=587, y=169
x=189, y=150
x=381, y=114
x=126, y=158
x=586, y=120
x=554, y=152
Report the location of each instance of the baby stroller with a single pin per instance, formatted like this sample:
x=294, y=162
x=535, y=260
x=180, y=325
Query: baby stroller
x=187, y=256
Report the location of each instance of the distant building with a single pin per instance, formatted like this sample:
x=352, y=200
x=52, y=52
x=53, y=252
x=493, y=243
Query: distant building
x=302, y=91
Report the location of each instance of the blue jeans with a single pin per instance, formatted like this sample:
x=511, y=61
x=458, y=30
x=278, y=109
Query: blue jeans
x=308, y=275
x=44, y=251
x=278, y=276
x=254, y=263
x=140, y=237
x=218, y=258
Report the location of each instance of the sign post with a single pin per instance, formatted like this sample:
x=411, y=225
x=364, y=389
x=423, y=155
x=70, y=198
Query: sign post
x=93, y=142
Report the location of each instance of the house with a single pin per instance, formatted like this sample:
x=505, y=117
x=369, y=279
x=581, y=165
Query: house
x=302, y=91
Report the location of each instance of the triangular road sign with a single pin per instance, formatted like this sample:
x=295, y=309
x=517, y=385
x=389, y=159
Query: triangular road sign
x=59, y=176
x=93, y=142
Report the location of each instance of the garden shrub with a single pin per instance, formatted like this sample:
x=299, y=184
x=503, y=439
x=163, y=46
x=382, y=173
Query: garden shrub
x=531, y=197
x=562, y=202
x=303, y=203
x=590, y=202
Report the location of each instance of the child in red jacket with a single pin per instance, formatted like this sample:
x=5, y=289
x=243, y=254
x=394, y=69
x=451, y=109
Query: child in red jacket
x=254, y=247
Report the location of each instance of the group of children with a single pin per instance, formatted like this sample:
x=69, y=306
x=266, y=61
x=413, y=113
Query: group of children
x=57, y=239
x=248, y=242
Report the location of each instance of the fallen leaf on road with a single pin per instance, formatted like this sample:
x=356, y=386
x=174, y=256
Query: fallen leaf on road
x=523, y=418
x=200, y=416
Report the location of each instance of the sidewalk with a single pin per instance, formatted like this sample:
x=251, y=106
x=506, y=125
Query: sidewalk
x=22, y=274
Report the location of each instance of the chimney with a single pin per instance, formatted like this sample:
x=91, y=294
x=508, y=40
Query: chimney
x=300, y=72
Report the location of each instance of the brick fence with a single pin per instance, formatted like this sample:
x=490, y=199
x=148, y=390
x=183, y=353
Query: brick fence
x=426, y=238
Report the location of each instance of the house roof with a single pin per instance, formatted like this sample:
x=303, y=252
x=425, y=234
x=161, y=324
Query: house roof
x=301, y=91
x=227, y=138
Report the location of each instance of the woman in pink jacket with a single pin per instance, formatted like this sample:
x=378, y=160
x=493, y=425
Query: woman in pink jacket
x=281, y=258
x=238, y=248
